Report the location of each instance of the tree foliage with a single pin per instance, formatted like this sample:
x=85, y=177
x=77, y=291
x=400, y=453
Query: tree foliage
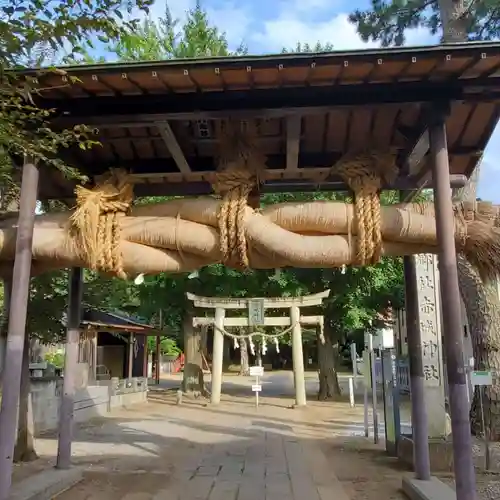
x=34, y=33
x=165, y=38
x=388, y=21
x=301, y=48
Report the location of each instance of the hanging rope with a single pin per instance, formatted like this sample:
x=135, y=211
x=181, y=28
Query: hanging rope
x=239, y=171
x=95, y=222
x=364, y=173
x=250, y=335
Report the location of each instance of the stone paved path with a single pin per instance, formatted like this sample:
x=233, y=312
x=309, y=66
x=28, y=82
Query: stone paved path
x=197, y=452
x=233, y=451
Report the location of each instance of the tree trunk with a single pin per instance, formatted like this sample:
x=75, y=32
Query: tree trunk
x=454, y=17
x=483, y=315
x=226, y=354
x=258, y=355
x=4, y=324
x=193, y=380
x=329, y=387
x=25, y=445
x=244, y=365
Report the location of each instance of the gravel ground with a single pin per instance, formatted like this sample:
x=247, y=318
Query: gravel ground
x=365, y=470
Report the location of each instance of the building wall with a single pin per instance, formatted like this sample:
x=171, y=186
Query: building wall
x=90, y=402
x=113, y=358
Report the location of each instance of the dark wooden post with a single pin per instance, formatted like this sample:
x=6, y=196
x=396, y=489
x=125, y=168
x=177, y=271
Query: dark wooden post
x=418, y=409
x=130, y=357
x=17, y=324
x=158, y=360
x=158, y=349
x=452, y=328
x=70, y=364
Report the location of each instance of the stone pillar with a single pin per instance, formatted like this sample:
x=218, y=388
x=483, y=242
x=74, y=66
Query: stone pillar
x=217, y=356
x=297, y=357
x=432, y=355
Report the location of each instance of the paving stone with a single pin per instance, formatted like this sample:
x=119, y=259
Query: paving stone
x=199, y=488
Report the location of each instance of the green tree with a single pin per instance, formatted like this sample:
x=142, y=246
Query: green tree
x=308, y=48
x=33, y=32
x=164, y=38
x=388, y=21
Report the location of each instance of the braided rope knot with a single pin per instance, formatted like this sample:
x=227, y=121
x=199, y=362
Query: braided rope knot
x=364, y=173
x=234, y=185
x=240, y=164
x=95, y=222
x=468, y=212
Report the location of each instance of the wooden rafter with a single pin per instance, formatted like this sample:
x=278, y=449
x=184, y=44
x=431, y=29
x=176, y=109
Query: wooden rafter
x=168, y=136
x=293, y=129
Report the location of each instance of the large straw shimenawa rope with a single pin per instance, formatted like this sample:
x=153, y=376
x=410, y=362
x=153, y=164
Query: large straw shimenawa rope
x=239, y=170
x=95, y=223
x=473, y=239
x=363, y=172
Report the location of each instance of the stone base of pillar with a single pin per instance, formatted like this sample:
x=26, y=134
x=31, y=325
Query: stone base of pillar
x=440, y=453
x=434, y=489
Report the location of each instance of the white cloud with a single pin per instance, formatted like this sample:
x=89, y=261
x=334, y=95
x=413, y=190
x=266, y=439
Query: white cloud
x=296, y=21
x=286, y=31
x=178, y=8
x=311, y=7
x=289, y=29
x=234, y=21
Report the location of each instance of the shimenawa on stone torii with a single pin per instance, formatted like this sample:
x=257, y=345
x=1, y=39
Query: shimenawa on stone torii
x=108, y=233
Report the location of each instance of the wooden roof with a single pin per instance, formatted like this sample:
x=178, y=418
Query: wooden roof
x=117, y=321
x=157, y=119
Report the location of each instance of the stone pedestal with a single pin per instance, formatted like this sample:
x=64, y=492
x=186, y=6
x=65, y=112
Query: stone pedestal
x=432, y=356
x=440, y=453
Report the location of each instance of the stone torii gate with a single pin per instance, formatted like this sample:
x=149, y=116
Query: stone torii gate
x=256, y=317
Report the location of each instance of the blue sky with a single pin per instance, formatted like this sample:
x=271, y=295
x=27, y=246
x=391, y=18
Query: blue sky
x=266, y=26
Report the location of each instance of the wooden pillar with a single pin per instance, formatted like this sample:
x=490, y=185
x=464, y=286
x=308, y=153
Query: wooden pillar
x=70, y=364
x=17, y=323
x=95, y=343
x=158, y=360
x=130, y=359
x=463, y=463
x=298, y=357
x=145, y=358
x=217, y=356
x=417, y=380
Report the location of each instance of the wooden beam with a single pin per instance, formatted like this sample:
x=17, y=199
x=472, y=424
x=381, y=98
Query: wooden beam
x=269, y=321
x=258, y=103
x=269, y=303
x=417, y=153
x=200, y=188
x=293, y=129
x=168, y=136
x=205, y=165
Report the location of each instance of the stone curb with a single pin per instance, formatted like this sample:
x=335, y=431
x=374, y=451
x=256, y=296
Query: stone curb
x=46, y=485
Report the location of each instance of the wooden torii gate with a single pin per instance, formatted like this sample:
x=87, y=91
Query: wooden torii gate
x=256, y=317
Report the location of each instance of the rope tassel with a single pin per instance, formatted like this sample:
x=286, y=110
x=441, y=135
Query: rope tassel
x=364, y=173
x=239, y=171
x=95, y=224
